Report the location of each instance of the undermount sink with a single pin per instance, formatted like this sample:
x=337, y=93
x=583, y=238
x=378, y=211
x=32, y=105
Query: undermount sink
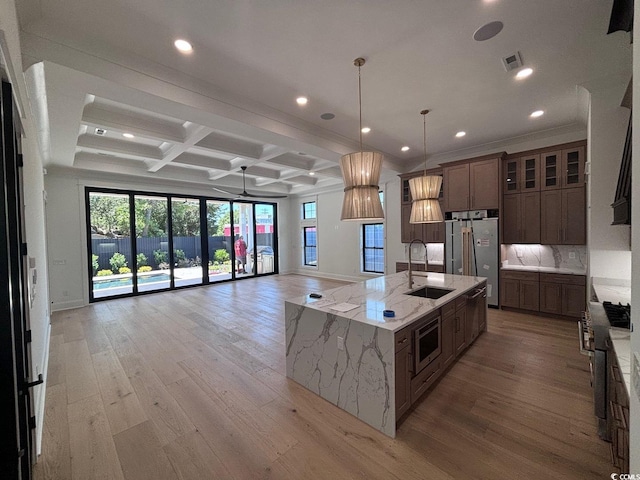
x=430, y=292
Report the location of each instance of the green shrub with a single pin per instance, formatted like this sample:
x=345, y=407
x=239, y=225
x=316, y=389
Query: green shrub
x=179, y=255
x=221, y=256
x=118, y=260
x=94, y=263
x=104, y=273
x=144, y=268
x=160, y=256
x=124, y=270
x=141, y=260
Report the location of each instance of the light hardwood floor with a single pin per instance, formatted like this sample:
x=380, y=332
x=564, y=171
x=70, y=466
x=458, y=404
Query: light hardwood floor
x=190, y=385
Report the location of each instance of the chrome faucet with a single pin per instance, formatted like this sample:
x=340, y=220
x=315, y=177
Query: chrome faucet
x=425, y=259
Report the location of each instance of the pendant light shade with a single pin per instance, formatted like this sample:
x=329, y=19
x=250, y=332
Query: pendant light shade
x=361, y=174
x=425, y=191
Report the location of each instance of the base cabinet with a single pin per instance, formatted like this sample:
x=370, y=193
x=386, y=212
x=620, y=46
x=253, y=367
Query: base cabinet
x=448, y=353
x=520, y=290
x=562, y=294
x=460, y=340
x=618, y=415
x=553, y=293
x=403, y=371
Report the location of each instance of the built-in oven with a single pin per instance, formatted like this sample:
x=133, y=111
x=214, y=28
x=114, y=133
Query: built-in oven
x=427, y=342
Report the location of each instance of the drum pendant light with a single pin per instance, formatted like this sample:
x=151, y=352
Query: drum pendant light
x=425, y=190
x=361, y=174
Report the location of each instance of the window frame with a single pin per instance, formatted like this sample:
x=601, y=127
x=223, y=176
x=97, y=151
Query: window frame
x=365, y=247
x=305, y=246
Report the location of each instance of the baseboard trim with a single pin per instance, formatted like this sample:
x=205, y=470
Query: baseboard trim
x=57, y=307
x=42, y=390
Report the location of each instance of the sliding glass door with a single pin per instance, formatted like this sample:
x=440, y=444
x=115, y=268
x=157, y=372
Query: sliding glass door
x=110, y=227
x=219, y=240
x=143, y=242
x=152, y=243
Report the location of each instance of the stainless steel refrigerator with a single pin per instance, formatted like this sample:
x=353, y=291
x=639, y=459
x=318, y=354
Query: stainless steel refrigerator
x=484, y=258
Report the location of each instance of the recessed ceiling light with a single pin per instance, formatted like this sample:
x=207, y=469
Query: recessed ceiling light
x=487, y=31
x=405, y=149
x=128, y=135
x=524, y=73
x=183, y=46
x=312, y=173
x=461, y=134
x=302, y=100
x=366, y=129
x=327, y=116
x=537, y=113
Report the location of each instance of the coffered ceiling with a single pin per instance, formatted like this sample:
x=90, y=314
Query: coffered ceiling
x=101, y=69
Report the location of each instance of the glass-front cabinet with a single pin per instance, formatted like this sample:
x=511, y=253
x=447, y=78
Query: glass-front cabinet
x=530, y=169
x=563, y=168
x=511, y=175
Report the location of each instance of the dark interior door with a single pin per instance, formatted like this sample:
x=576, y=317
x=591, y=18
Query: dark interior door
x=16, y=454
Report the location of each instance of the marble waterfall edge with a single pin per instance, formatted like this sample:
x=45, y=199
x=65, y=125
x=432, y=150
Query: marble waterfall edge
x=358, y=379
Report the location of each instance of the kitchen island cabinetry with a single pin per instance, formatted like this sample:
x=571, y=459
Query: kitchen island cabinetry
x=618, y=418
x=403, y=370
x=345, y=350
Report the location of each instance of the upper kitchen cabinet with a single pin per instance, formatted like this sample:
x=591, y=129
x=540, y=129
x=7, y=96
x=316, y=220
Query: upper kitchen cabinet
x=472, y=185
x=563, y=168
x=521, y=174
x=563, y=217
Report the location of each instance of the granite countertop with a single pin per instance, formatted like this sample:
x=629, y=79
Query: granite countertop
x=621, y=340
x=564, y=271
x=388, y=293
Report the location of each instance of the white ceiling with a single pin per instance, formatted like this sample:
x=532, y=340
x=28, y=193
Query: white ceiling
x=198, y=118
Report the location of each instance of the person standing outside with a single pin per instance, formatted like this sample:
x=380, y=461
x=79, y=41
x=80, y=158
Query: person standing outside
x=241, y=254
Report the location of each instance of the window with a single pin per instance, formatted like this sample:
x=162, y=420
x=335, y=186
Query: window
x=310, y=246
x=308, y=210
x=373, y=247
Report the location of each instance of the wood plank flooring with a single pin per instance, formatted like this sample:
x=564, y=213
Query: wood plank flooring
x=191, y=385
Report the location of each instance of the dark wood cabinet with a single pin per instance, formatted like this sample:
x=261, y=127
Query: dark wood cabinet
x=403, y=370
x=409, y=231
x=473, y=185
x=563, y=216
x=520, y=290
x=521, y=218
x=484, y=184
x=448, y=354
x=574, y=213
x=618, y=406
x=456, y=187
x=562, y=294
x=563, y=168
x=460, y=325
x=521, y=174
x=434, y=232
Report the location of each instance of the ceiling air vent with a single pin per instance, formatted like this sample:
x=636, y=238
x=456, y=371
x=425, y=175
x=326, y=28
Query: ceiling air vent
x=100, y=131
x=512, y=62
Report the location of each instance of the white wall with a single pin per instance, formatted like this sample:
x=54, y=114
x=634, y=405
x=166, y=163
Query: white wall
x=66, y=229
x=38, y=310
x=634, y=441
x=609, y=245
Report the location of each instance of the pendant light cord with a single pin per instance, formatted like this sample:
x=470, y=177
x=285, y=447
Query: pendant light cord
x=424, y=138
x=360, y=104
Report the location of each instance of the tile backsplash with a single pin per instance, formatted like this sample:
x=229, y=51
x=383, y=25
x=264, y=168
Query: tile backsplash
x=554, y=256
x=435, y=253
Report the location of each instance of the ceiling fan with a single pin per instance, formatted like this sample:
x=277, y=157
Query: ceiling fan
x=244, y=190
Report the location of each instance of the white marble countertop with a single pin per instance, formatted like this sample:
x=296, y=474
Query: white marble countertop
x=621, y=340
x=612, y=293
x=564, y=271
x=388, y=292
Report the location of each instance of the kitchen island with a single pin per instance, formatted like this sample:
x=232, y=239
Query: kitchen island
x=343, y=348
